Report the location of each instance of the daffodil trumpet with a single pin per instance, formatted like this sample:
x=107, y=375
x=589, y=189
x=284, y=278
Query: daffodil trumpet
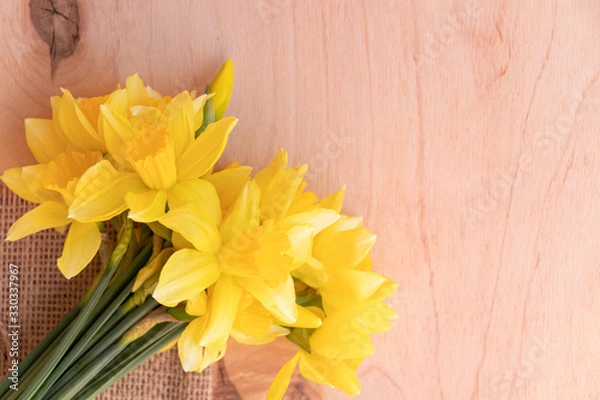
x=201, y=256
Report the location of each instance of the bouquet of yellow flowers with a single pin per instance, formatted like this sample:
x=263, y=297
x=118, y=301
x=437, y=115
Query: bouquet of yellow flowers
x=200, y=256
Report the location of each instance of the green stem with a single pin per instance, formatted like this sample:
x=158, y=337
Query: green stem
x=43, y=347
x=34, y=382
x=106, y=340
x=143, y=348
x=89, y=338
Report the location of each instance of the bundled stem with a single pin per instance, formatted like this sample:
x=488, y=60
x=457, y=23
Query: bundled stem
x=85, y=353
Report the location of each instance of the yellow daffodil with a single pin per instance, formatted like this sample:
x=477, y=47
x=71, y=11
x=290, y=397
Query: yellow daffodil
x=157, y=151
x=52, y=186
x=249, y=254
x=334, y=350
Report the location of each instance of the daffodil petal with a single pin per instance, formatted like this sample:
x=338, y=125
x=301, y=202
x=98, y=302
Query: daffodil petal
x=152, y=268
x=312, y=273
x=360, y=285
x=33, y=176
x=117, y=131
x=224, y=303
x=81, y=245
x=13, y=179
x=342, y=337
x=100, y=192
x=199, y=191
x=76, y=126
x=194, y=223
x=306, y=319
x=301, y=239
x=243, y=215
x=136, y=91
x=318, y=219
x=186, y=273
x=279, y=300
x=204, y=152
x=343, y=249
x=180, y=121
x=44, y=143
x=334, y=201
x=191, y=354
x=280, y=192
x=282, y=379
x=197, y=305
x=279, y=163
x=198, y=104
x=335, y=373
x=45, y=216
x=229, y=184
x=147, y=206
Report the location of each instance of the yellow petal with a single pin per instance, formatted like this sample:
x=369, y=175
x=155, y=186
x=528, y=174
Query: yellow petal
x=305, y=201
x=152, y=268
x=343, y=249
x=197, y=305
x=282, y=379
x=335, y=373
x=147, y=206
x=224, y=303
x=136, y=91
x=198, y=104
x=179, y=118
x=47, y=215
x=204, y=152
x=100, y=192
x=76, y=126
x=360, y=285
x=13, y=179
x=254, y=324
x=45, y=144
x=301, y=239
x=334, y=201
x=199, y=191
x=376, y=316
x=243, y=216
x=186, y=273
x=280, y=192
x=193, y=356
x=117, y=131
x=318, y=219
x=222, y=86
x=151, y=154
x=81, y=245
x=345, y=223
x=195, y=224
x=278, y=164
x=280, y=300
x=306, y=319
x=342, y=337
x=312, y=273
x=34, y=176
x=229, y=184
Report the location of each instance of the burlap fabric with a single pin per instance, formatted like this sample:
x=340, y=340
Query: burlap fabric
x=45, y=296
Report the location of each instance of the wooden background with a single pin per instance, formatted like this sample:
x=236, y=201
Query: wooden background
x=467, y=133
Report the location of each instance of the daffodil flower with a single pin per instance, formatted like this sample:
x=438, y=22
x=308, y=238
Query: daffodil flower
x=164, y=161
x=248, y=255
x=52, y=186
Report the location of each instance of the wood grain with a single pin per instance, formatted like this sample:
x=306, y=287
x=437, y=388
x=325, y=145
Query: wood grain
x=467, y=133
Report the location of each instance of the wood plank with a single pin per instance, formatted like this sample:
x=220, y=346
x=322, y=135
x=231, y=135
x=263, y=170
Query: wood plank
x=467, y=135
